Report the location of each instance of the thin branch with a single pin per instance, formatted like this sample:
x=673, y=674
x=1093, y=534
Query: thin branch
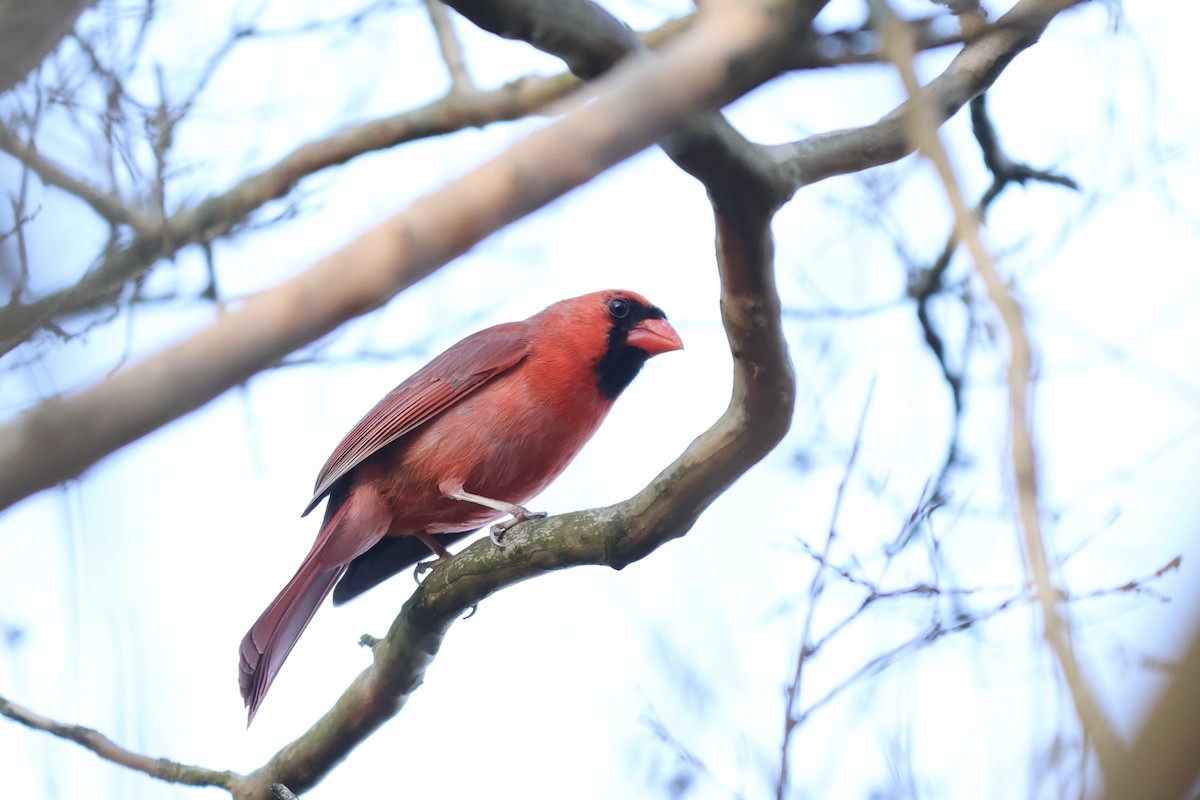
x=105, y=748
x=792, y=691
x=350, y=21
x=443, y=26
x=107, y=204
x=861, y=45
x=224, y=213
x=963, y=622
x=1005, y=172
x=682, y=752
x=1056, y=629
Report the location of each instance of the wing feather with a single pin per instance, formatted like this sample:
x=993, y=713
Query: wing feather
x=438, y=385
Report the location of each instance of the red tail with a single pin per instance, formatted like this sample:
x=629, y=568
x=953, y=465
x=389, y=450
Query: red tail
x=355, y=526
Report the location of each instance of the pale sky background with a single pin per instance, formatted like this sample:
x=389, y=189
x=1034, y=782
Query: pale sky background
x=132, y=587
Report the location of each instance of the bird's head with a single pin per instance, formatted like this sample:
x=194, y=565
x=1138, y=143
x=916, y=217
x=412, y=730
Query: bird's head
x=616, y=330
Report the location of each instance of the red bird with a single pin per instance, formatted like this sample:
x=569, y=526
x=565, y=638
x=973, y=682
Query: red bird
x=472, y=435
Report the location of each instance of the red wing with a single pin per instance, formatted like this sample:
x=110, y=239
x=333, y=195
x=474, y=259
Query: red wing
x=435, y=387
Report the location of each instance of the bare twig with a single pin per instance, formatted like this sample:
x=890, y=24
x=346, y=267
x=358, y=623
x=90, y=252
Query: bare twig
x=937, y=629
x=443, y=26
x=792, y=691
x=1005, y=172
x=349, y=21
x=1056, y=630
x=105, y=748
x=226, y=212
x=107, y=204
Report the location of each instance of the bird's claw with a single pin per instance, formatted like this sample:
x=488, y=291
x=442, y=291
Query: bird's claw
x=496, y=534
x=424, y=566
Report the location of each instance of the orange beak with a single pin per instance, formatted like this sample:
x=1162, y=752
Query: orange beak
x=654, y=336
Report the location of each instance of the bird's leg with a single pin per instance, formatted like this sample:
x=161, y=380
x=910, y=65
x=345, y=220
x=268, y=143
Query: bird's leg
x=436, y=548
x=519, y=513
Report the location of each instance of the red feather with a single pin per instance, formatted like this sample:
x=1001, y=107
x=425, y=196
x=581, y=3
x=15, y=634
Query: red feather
x=499, y=415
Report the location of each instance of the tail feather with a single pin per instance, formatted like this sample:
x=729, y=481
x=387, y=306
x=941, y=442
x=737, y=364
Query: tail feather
x=273, y=636
x=350, y=530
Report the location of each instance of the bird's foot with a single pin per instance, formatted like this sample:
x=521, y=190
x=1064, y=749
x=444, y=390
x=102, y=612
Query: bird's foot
x=520, y=515
x=425, y=566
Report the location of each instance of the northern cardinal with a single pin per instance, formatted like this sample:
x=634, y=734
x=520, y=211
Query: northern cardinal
x=466, y=440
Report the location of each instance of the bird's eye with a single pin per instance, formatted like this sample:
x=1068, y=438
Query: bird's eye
x=618, y=308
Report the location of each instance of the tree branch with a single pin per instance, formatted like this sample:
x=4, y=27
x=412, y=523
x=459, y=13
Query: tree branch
x=792, y=691
x=971, y=72
x=923, y=121
x=108, y=205
x=1005, y=172
x=31, y=31
x=221, y=214
x=1162, y=763
x=590, y=40
x=105, y=748
x=443, y=27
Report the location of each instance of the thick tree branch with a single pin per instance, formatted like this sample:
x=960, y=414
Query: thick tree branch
x=590, y=40
x=1164, y=761
x=585, y=36
x=30, y=31
x=971, y=72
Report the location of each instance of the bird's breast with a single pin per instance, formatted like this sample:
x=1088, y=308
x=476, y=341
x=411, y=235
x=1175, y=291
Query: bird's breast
x=507, y=441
